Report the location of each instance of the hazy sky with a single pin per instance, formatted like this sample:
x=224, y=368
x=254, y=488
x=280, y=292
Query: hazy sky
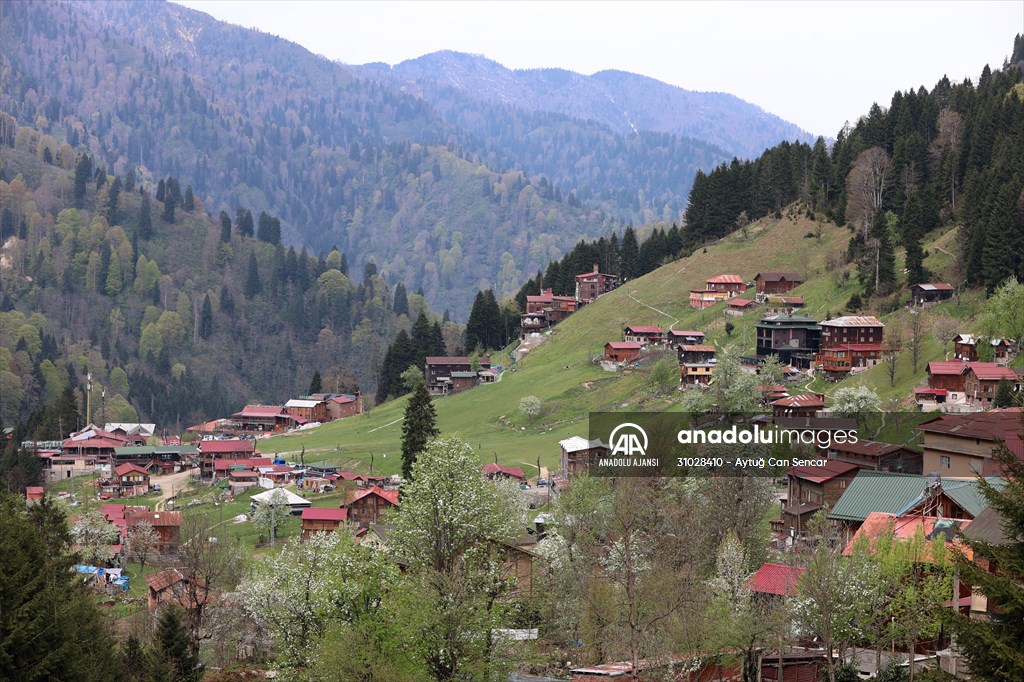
x=817, y=64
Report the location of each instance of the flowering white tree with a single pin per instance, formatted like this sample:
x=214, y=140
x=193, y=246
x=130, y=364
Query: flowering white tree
x=300, y=591
x=451, y=530
x=141, y=542
x=269, y=515
x=855, y=400
x=93, y=535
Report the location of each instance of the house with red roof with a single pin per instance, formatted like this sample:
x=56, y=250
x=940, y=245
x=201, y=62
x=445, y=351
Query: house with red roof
x=545, y=309
x=341, y=405
x=131, y=480
x=739, y=306
x=961, y=445
x=622, y=351
x=92, y=440
x=947, y=375
x=718, y=288
x=965, y=347
x=776, y=580
x=321, y=520
x=210, y=451
x=498, y=471
x=447, y=375
x=696, y=364
x=33, y=494
x=684, y=337
x=849, y=344
x=767, y=283
x=981, y=381
x=812, y=487
x=904, y=527
x=264, y=419
x=928, y=294
x=875, y=456
x=173, y=585
x=367, y=507
x=167, y=525
x=803, y=405
x=592, y=285
x=644, y=335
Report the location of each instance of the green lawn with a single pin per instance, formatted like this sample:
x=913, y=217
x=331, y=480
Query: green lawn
x=561, y=374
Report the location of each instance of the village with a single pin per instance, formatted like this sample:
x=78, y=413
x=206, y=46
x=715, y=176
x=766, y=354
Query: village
x=142, y=485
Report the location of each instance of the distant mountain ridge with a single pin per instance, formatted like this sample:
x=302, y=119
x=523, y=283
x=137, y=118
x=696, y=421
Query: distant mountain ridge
x=625, y=102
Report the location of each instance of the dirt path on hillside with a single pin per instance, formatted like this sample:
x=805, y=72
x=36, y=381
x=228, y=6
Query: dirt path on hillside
x=171, y=485
x=660, y=312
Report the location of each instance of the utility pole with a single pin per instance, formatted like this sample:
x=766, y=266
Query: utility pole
x=88, y=398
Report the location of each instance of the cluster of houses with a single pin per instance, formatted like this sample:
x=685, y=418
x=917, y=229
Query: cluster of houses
x=546, y=309
x=872, y=488
x=835, y=347
x=254, y=420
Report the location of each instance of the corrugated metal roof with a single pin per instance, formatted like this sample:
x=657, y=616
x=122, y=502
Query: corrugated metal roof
x=854, y=321
x=988, y=527
x=879, y=491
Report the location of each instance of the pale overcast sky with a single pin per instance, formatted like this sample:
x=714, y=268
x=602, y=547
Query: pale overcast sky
x=817, y=64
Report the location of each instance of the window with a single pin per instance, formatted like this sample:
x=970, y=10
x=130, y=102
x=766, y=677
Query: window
x=943, y=461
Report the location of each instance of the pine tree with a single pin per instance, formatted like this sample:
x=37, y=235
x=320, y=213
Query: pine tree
x=994, y=645
x=189, y=203
x=476, y=332
x=630, y=254
x=225, y=227
x=253, y=287
x=418, y=427
x=168, y=213
x=206, y=319
x=145, y=226
x=243, y=222
x=83, y=171
x=316, y=384
x=401, y=304
x=1004, y=394
x=172, y=643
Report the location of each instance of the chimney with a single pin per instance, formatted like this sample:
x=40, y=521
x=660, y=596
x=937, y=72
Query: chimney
x=595, y=268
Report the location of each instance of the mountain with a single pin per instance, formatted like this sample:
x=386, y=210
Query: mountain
x=445, y=196
x=626, y=103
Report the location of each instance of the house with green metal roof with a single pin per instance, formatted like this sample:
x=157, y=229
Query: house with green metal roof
x=899, y=494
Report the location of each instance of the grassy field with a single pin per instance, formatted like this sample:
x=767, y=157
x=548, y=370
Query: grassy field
x=561, y=374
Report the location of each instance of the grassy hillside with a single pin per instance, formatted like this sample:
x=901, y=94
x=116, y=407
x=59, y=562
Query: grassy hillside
x=559, y=372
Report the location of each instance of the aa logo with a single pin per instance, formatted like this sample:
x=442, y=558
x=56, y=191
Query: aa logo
x=629, y=440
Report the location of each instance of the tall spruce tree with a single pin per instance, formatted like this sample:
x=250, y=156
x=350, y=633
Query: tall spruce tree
x=253, y=287
x=225, y=227
x=994, y=646
x=316, y=384
x=172, y=644
x=629, y=254
x=206, y=318
x=145, y=224
x=418, y=427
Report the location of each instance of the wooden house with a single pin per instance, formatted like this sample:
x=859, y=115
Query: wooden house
x=577, y=453
x=545, y=310
x=696, y=364
x=982, y=381
x=264, y=419
x=321, y=520
x=131, y=480
x=167, y=525
x=739, y=306
x=212, y=450
x=812, y=487
x=644, y=335
x=947, y=375
x=718, y=288
x=923, y=295
x=592, y=285
x=795, y=339
x=173, y=585
x=497, y=471
x=621, y=351
x=367, y=507
x=438, y=373
x=869, y=454
x=803, y=405
x=961, y=445
x=769, y=283
x=307, y=409
x=965, y=347
x=684, y=337
x=339, y=405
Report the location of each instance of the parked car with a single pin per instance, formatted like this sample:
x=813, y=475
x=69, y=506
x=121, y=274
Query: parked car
x=156, y=487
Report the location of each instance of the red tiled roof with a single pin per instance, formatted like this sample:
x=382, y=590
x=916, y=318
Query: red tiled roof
x=725, y=279
x=260, y=411
x=164, y=579
x=740, y=303
x=793, y=299
x=776, y=579
x=645, y=330
x=854, y=321
x=130, y=468
x=389, y=495
x=163, y=518
x=343, y=399
x=982, y=425
x=623, y=345
x=34, y=490
x=685, y=332
x=698, y=349
x=243, y=473
x=491, y=469
x=802, y=400
x=821, y=474
x=990, y=371
x=930, y=391
x=72, y=445
x=320, y=514
x=222, y=446
x=905, y=528
x=946, y=367
x=252, y=462
x=778, y=276
x=455, y=360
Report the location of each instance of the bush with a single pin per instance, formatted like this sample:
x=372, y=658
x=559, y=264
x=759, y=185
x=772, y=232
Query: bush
x=530, y=406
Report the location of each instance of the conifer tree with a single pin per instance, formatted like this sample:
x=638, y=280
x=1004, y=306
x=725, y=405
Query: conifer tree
x=206, y=318
x=172, y=642
x=401, y=304
x=630, y=254
x=1004, y=394
x=316, y=384
x=189, y=203
x=145, y=227
x=83, y=171
x=417, y=428
x=994, y=646
x=225, y=227
x=168, y=213
x=253, y=287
